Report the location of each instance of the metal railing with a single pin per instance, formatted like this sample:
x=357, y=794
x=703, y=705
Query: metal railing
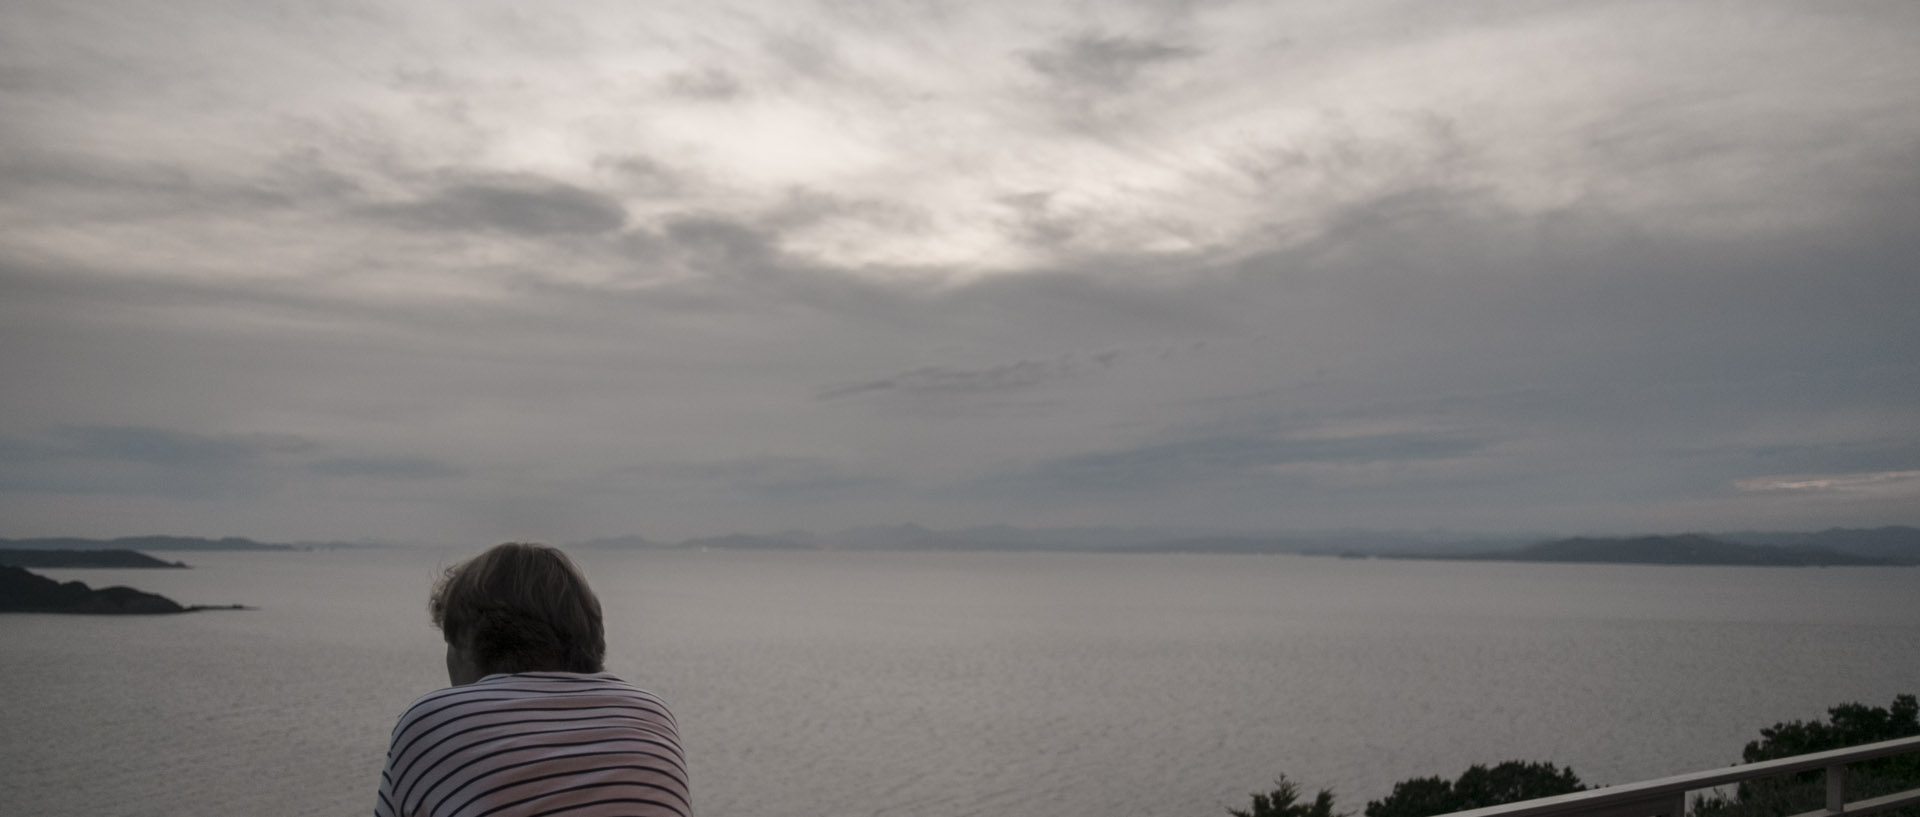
x=1667, y=796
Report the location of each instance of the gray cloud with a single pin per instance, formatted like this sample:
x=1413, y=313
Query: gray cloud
x=645, y=175
x=119, y=189
x=170, y=462
x=1035, y=220
x=1195, y=463
x=1103, y=63
x=709, y=84
x=166, y=447
x=521, y=205
x=1627, y=290
x=385, y=467
x=938, y=380
x=774, y=477
x=140, y=460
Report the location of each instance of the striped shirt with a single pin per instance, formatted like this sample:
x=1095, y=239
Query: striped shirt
x=536, y=743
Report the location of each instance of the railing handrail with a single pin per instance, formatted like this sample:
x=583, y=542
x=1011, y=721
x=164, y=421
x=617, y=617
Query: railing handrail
x=1629, y=794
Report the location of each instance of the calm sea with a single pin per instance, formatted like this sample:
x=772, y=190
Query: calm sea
x=946, y=684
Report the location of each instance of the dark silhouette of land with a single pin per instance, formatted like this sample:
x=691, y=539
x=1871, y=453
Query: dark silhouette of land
x=83, y=558
x=22, y=591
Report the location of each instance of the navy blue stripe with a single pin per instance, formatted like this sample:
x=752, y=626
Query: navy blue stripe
x=450, y=755
x=415, y=784
x=670, y=792
x=406, y=750
x=581, y=787
x=678, y=771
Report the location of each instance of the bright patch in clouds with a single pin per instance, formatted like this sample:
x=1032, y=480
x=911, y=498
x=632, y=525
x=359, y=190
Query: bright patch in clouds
x=1880, y=483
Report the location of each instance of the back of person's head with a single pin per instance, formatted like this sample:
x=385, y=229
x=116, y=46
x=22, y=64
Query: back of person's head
x=521, y=608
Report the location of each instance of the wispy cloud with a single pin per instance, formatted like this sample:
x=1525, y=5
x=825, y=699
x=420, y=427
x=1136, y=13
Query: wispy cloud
x=171, y=462
x=943, y=380
x=1901, y=483
x=384, y=467
x=1197, y=462
x=774, y=477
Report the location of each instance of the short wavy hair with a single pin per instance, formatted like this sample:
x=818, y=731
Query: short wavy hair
x=521, y=607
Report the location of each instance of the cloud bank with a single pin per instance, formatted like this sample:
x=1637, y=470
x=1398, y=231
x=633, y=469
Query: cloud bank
x=456, y=272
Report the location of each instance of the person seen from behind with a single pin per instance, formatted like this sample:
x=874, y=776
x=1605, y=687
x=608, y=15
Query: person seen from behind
x=532, y=724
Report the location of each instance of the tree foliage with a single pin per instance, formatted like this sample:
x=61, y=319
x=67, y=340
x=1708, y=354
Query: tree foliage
x=1849, y=724
x=1478, y=787
x=1284, y=801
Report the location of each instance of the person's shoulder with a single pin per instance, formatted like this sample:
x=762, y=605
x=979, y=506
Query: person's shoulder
x=568, y=680
x=598, y=684
x=434, y=701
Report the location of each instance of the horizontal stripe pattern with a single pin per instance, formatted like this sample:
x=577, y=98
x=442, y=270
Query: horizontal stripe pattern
x=536, y=743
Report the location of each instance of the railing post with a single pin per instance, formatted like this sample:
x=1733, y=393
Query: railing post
x=1837, y=789
x=1677, y=807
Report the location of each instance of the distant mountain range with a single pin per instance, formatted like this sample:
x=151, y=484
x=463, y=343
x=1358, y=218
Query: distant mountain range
x=1073, y=539
x=1835, y=546
x=1896, y=545
x=1687, y=549
x=169, y=543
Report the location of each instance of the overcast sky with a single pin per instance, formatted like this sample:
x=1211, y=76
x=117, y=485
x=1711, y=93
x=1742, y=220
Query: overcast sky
x=468, y=271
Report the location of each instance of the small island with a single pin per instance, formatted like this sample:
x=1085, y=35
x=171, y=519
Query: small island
x=22, y=591
x=83, y=558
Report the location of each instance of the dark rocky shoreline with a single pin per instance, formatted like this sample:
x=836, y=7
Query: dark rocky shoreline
x=22, y=591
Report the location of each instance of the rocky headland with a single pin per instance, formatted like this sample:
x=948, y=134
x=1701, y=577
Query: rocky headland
x=22, y=591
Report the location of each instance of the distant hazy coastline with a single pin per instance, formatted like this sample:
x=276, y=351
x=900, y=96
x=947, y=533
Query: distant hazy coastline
x=187, y=543
x=1833, y=547
x=1894, y=545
